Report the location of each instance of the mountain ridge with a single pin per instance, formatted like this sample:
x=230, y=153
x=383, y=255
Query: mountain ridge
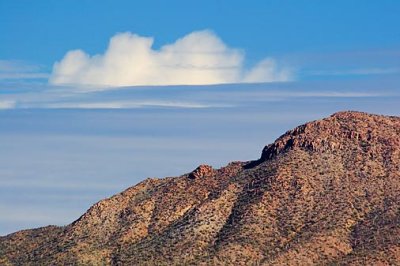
x=324, y=192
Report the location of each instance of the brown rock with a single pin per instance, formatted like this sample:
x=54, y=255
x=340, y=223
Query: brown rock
x=202, y=171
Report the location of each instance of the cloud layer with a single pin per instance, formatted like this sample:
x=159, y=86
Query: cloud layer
x=198, y=58
x=17, y=69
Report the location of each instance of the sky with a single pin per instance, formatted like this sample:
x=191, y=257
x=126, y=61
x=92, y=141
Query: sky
x=95, y=96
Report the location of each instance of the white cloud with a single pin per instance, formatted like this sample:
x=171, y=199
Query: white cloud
x=198, y=58
x=267, y=71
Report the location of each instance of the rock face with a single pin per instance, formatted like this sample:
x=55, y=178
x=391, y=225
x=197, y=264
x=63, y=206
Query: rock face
x=202, y=171
x=327, y=192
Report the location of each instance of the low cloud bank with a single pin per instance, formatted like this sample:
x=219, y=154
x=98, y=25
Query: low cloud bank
x=198, y=58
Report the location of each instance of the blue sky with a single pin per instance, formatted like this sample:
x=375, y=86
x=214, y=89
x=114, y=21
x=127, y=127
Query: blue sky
x=42, y=31
x=95, y=96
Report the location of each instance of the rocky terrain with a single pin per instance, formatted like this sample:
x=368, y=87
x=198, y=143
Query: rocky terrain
x=324, y=193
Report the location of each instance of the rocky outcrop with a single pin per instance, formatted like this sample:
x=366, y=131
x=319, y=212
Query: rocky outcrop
x=201, y=171
x=333, y=133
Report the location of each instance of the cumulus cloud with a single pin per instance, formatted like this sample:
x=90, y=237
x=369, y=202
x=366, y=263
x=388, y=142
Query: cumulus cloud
x=198, y=58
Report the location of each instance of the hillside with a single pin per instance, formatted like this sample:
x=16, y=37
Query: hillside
x=326, y=192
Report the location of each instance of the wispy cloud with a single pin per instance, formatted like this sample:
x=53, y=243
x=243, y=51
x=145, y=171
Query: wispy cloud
x=24, y=76
x=189, y=97
x=357, y=72
x=200, y=57
x=7, y=104
x=17, y=69
x=345, y=64
x=129, y=105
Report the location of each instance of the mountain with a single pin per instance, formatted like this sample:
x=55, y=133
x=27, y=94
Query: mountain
x=326, y=192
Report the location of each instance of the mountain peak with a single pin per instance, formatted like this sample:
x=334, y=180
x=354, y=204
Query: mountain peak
x=334, y=132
